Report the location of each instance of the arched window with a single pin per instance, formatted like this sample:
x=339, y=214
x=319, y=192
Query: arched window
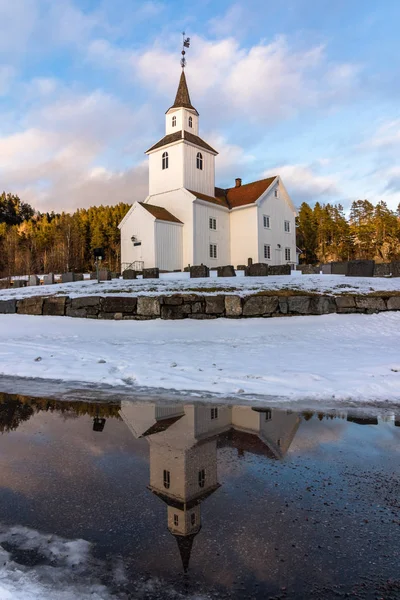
x=173, y=121
x=190, y=122
x=199, y=161
x=165, y=160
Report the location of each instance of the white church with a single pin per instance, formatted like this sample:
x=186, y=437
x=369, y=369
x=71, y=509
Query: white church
x=186, y=220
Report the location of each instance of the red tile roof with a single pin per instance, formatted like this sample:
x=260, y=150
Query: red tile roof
x=244, y=194
x=162, y=214
x=212, y=199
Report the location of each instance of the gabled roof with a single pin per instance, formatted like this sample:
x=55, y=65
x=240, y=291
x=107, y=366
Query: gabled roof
x=182, y=135
x=160, y=213
x=182, y=98
x=243, y=195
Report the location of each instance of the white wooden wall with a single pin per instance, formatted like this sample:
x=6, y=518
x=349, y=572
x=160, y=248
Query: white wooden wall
x=243, y=239
x=204, y=236
x=140, y=223
x=195, y=179
x=168, y=241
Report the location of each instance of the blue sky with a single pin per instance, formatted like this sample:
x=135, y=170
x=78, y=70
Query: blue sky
x=308, y=89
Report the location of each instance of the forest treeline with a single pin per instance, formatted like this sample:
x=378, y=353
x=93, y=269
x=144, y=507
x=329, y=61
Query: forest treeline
x=34, y=242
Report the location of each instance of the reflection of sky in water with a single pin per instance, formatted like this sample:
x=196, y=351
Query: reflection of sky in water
x=285, y=514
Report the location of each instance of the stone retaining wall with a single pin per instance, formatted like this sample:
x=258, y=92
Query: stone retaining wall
x=195, y=306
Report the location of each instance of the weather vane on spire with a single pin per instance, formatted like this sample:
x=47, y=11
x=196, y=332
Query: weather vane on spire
x=185, y=44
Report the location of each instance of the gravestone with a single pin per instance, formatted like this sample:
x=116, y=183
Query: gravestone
x=33, y=280
x=360, y=268
x=279, y=270
x=104, y=275
x=19, y=283
x=395, y=268
x=197, y=271
x=129, y=274
x=257, y=270
x=309, y=269
x=382, y=269
x=326, y=269
x=151, y=273
x=241, y=268
x=70, y=277
x=226, y=271
x=339, y=268
x=48, y=279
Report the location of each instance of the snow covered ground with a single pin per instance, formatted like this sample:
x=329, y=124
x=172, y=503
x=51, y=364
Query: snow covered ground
x=181, y=282
x=330, y=358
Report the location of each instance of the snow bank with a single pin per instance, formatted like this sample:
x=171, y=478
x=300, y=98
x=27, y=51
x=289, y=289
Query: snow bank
x=328, y=358
x=181, y=282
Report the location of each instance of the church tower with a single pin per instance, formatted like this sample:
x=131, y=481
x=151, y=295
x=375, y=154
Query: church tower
x=182, y=159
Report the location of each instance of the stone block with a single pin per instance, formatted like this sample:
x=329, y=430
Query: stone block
x=148, y=306
x=299, y=305
x=8, y=307
x=382, y=269
x=48, y=279
x=393, y=303
x=86, y=302
x=345, y=301
x=395, y=268
x=258, y=306
x=326, y=269
x=215, y=305
x=197, y=308
x=174, y=300
x=257, y=270
x=19, y=283
x=322, y=305
x=233, y=306
x=197, y=271
x=175, y=311
x=360, y=268
x=55, y=305
x=370, y=303
x=119, y=304
x=30, y=306
x=283, y=305
x=129, y=274
x=33, y=280
x=226, y=271
x=279, y=270
x=151, y=273
x=339, y=268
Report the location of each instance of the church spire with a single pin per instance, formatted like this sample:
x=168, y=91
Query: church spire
x=185, y=544
x=182, y=98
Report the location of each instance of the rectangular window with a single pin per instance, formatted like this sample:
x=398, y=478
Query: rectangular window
x=193, y=519
x=287, y=254
x=266, y=222
x=268, y=414
x=176, y=520
x=137, y=243
x=287, y=226
x=213, y=250
x=202, y=478
x=213, y=223
x=267, y=251
x=276, y=193
x=214, y=413
x=167, y=479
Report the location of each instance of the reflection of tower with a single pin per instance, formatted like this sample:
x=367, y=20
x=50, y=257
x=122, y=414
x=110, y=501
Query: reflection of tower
x=183, y=442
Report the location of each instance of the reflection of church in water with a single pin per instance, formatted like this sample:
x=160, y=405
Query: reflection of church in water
x=183, y=442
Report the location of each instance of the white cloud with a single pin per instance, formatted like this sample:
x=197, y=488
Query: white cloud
x=303, y=184
x=387, y=136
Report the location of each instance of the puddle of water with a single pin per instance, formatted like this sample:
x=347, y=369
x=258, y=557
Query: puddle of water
x=171, y=500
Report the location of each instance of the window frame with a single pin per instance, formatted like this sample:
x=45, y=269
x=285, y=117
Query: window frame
x=214, y=413
x=201, y=478
x=288, y=255
x=276, y=193
x=176, y=520
x=165, y=161
x=167, y=479
x=268, y=414
x=213, y=251
x=212, y=221
x=190, y=122
x=288, y=229
x=267, y=219
x=199, y=161
x=268, y=248
x=174, y=121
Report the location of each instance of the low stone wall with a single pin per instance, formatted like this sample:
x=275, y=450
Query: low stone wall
x=195, y=306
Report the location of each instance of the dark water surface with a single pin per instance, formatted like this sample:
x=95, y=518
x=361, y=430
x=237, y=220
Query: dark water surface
x=199, y=500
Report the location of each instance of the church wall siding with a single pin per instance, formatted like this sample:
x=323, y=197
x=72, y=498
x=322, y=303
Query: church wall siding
x=141, y=225
x=243, y=244
x=204, y=236
x=182, y=121
x=168, y=241
x=164, y=180
x=279, y=211
x=199, y=180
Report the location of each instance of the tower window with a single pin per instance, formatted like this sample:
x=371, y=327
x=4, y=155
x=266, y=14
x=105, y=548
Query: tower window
x=176, y=520
x=287, y=226
x=268, y=414
x=193, y=519
x=167, y=479
x=213, y=223
x=173, y=121
x=214, y=413
x=202, y=478
x=287, y=254
x=190, y=122
x=213, y=251
x=267, y=251
x=199, y=161
x=165, y=160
